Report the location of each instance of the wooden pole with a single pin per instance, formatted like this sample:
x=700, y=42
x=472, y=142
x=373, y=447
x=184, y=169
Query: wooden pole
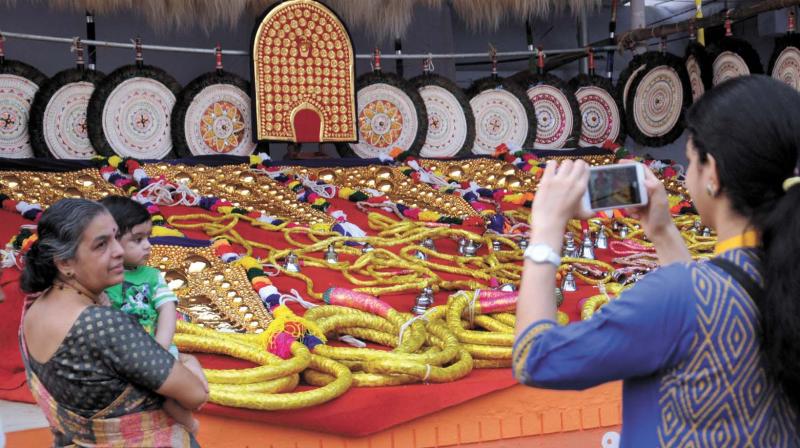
x=630, y=38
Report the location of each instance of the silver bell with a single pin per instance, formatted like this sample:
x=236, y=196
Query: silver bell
x=623, y=231
x=706, y=232
x=331, y=256
x=423, y=301
x=569, y=285
x=462, y=246
x=367, y=248
x=421, y=255
x=497, y=246
x=292, y=263
x=601, y=242
x=569, y=246
x=508, y=287
x=427, y=243
x=523, y=243
x=587, y=250
x=698, y=227
x=471, y=248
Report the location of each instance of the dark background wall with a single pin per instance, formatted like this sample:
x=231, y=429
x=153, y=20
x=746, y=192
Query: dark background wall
x=432, y=30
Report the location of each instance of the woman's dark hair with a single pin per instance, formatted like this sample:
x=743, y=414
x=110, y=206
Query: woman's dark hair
x=751, y=125
x=59, y=233
x=126, y=212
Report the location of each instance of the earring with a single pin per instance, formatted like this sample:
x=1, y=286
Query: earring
x=70, y=274
x=711, y=190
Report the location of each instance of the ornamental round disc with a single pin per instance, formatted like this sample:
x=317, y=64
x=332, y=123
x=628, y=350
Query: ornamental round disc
x=695, y=77
x=787, y=67
x=554, y=123
x=386, y=119
x=658, y=101
x=447, y=123
x=499, y=118
x=218, y=122
x=600, y=117
x=728, y=65
x=64, y=122
x=136, y=118
x=627, y=88
x=16, y=96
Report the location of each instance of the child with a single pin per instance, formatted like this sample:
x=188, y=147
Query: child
x=143, y=292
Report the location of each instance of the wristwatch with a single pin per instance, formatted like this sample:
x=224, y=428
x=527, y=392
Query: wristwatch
x=542, y=253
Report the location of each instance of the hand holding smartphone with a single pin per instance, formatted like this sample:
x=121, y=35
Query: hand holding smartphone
x=615, y=186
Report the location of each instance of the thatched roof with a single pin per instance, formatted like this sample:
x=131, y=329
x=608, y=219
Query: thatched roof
x=380, y=18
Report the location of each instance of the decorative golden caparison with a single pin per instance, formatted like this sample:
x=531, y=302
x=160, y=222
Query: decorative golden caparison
x=436, y=347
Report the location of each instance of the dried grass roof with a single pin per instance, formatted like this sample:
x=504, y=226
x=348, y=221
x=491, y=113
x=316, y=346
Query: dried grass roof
x=380, y=18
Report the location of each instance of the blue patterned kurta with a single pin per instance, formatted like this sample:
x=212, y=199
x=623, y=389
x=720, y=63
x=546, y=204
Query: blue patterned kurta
x=686, y=341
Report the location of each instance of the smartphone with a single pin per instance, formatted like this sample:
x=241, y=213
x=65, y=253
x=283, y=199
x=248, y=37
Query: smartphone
x=615, y=186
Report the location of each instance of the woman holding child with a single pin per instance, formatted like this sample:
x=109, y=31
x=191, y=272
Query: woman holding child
x=98, y=375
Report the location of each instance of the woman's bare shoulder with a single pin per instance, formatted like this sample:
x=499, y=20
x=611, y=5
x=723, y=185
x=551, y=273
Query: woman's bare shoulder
x=48, y=322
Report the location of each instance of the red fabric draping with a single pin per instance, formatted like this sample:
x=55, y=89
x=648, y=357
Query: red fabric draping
x=358, y=412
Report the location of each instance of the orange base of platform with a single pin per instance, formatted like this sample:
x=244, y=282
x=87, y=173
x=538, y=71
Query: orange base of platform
x=514, y=417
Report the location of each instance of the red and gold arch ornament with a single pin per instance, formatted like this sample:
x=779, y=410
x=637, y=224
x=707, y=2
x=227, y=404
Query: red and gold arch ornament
x=303, y=75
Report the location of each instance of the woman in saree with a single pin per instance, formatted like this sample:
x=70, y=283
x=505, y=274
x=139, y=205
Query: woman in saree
x=97, y=375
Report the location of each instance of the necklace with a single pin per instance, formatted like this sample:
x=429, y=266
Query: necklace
x=61, y=285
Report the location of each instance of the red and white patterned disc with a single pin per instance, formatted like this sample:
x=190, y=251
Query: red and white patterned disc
x=554, y=122
x=136, y=118
x=386, y=119
x=16, y=96
x=787, y=67
x=500, y=117
x=218, y=122
x=64, y=122
x=695, y=77
x=447, y=123
x=658, y=101
x=728, y=65
x=600, y=116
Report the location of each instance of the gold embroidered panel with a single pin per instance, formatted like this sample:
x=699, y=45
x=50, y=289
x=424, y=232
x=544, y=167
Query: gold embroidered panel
x=303, y=63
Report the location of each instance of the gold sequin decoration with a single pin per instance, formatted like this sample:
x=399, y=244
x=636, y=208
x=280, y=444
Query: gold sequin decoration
x=47, y=188
x=394, y=184
x=215, y=294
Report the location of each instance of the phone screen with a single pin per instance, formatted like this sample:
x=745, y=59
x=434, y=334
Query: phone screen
x=613, y=187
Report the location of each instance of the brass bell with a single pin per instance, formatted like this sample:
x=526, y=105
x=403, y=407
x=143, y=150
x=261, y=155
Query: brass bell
x=421, y=255
x=292, y=263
